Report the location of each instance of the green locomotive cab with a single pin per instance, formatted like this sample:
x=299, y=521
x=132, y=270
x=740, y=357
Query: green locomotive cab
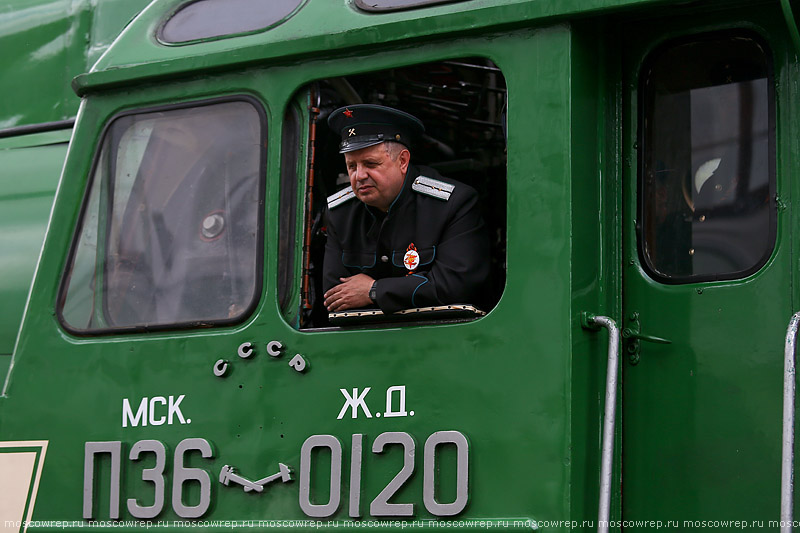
x=177, y=367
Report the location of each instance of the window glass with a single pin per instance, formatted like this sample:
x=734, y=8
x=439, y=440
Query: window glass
x=708, y=164
x=395, y=5
x=205, y=19
x=170, y=233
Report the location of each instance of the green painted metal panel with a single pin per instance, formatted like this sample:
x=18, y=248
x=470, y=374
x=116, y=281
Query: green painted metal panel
x=700, y=430
x=138, y=56
x=511, y=400
x=701, y=417
x=27, y=188
x=5, y=362
x=45, y=44
x=41, y=54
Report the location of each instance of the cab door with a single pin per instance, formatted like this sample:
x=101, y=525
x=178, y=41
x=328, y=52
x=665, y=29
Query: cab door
x=706, y=277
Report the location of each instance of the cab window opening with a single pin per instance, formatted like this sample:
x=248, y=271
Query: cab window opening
x=462, y=104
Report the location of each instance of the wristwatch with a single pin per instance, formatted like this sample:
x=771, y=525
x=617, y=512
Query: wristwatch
x=373, y=292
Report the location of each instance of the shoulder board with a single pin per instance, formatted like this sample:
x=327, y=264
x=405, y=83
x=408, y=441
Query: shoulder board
x=340, y=197
x=431, y=187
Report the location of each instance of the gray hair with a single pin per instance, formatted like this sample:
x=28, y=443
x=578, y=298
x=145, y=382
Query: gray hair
x=393, y=148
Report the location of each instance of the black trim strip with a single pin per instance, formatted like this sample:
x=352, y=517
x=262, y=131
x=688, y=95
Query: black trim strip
x=37, y=128
x=385, y=6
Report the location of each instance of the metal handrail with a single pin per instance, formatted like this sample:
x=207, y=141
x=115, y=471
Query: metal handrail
x=609, y=418
x=787, y=453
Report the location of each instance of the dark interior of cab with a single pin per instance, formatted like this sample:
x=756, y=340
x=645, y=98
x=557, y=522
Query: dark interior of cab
x=463, y=106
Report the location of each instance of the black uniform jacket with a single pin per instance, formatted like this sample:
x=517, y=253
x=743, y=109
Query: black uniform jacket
x=448, y=234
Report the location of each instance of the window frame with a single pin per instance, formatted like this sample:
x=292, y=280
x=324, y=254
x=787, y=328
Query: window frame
x=642, y=139
x=258, y=288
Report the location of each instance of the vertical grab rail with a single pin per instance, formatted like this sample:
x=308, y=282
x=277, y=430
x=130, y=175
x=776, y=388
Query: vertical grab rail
x=787, y=453
x=609, y=418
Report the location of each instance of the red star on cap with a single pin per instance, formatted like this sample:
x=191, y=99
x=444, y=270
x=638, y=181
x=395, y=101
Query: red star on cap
x=347, y=113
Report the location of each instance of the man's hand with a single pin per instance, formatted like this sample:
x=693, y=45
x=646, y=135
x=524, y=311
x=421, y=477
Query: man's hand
x=351, y=293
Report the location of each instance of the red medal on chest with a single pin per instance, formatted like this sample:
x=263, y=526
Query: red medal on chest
x=411, y=259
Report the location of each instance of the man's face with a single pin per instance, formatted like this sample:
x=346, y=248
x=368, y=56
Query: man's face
x=374, y=177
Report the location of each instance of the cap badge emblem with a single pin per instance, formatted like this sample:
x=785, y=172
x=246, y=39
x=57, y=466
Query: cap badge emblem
x=351, y=132
x=347, y=113
x=411, y=259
